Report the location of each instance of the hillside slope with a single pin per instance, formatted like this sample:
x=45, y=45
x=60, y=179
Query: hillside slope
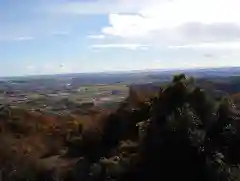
x=180, y=132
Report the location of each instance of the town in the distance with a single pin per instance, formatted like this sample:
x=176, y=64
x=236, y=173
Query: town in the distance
x=67, y=93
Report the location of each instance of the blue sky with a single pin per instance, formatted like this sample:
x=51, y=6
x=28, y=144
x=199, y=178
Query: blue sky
x=65, y=36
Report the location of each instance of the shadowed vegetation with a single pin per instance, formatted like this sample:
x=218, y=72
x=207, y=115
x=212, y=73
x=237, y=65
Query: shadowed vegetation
x=174, y=132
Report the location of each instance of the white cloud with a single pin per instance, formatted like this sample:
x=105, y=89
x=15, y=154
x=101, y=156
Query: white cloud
x=178, y=21
x=96, y=36
x=188, y=28
x=23, y=38
x=214, y=45
x=128, y=25
x=161, y=21
x=125, y=46
x=171, y=14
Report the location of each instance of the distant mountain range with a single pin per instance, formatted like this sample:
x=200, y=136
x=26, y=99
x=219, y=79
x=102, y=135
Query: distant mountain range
x=134, y=76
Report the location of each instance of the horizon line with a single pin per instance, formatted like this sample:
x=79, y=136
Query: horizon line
x=120, y=71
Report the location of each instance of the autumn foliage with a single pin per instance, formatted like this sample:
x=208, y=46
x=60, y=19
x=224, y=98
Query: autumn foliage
x=175, y=132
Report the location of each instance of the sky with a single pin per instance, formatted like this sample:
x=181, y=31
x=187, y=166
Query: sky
x=68, y=36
